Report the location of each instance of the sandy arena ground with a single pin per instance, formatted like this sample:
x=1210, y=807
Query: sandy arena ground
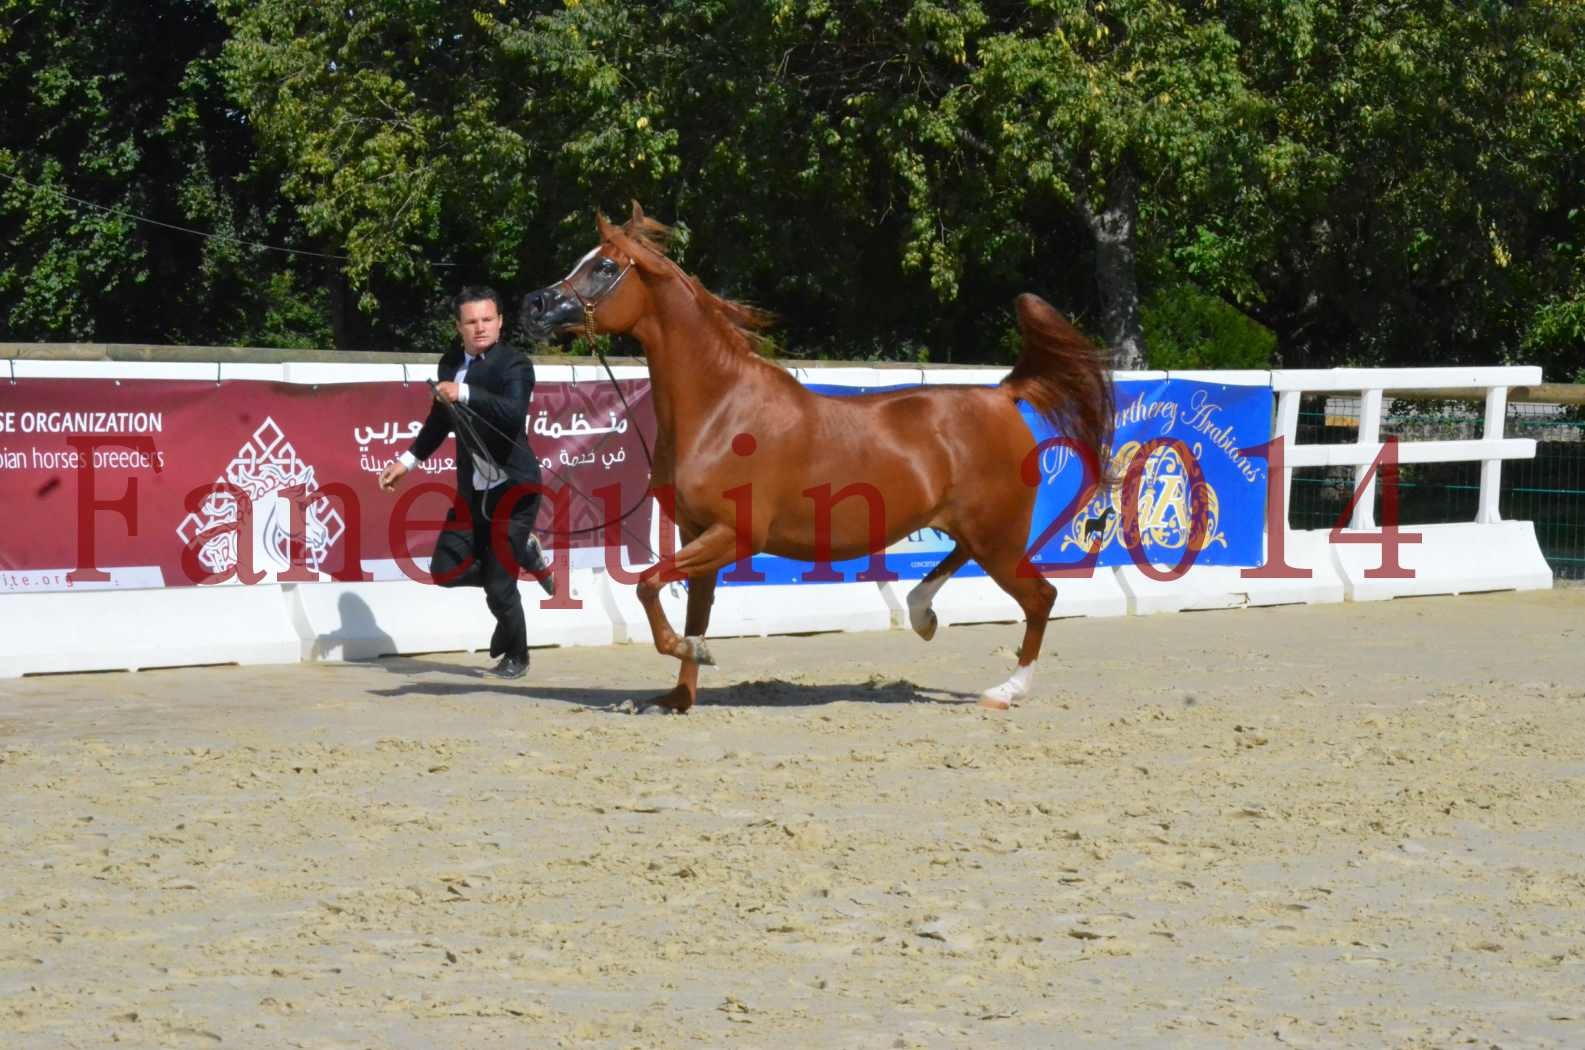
x=1350, y=825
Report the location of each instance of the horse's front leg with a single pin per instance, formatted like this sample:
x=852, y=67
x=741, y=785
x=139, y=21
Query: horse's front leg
x=701, y=595
x=699, y=560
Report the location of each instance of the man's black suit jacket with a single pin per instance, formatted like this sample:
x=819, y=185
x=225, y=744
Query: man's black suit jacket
x=499, y=384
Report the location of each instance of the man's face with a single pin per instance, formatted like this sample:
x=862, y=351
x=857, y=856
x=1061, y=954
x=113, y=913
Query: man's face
x=479, y=325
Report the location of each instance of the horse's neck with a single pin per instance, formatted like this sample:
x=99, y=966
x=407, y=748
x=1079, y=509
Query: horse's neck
x=692, y=364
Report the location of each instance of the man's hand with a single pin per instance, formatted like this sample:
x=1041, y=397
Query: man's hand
x=447, y=391
x=393, y=472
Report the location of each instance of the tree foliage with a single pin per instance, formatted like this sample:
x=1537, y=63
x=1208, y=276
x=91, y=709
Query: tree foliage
x=1421, y=160
x=1370, y=181
x=113, y=111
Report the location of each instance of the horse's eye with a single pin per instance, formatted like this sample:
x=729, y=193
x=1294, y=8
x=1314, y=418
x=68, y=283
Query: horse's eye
x=606, y=266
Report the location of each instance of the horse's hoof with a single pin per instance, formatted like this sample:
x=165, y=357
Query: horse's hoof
x=1002, y=697
x=1016, y=688
x=676, y=702
x=698, y=652
x=925, y=626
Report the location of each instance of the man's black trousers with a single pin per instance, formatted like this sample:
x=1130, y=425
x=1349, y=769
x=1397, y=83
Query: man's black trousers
x=470, y=557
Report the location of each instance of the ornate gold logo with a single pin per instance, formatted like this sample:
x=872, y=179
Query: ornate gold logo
x=1176, y=507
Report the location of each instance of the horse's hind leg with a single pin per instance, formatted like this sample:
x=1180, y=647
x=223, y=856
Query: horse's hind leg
x=1035, y=595
x=921, y=617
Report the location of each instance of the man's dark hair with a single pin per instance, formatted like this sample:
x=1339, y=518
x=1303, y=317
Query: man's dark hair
x=474, y=293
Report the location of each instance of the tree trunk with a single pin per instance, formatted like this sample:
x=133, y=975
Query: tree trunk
x=348, y=327
x=336, y=285
x=1115, y=227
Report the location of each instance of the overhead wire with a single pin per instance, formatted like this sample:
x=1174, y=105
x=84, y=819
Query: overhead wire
x=135, y=217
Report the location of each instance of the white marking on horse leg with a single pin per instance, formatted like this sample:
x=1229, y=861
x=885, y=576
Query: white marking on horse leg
x=921, y=617
x=1001, y=697
x=698, y=651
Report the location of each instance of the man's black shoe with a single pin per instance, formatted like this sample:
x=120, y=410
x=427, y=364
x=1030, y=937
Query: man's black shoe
x=534, y=561
x=509, y=667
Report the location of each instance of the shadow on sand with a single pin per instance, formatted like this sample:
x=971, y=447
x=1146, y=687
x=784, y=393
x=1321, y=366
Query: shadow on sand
x=764, y=693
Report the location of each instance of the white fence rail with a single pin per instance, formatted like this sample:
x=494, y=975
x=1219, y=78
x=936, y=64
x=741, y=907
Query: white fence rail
x=1446, y=558
x=284, y=622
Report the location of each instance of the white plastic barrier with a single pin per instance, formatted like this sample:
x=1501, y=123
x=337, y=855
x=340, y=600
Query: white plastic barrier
x=271, y=623
x=247, y=371
x=356, y=621
x=116, y=630
x=319, y=373
x=756, y=611
x=1449, y=559
x=861, y=376
x=978, y=599
x=969, y=376
x=93, y=628
x=1221, y=587
x=28, y=368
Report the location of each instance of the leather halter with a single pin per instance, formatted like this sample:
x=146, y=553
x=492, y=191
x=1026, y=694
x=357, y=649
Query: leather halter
x=590, y=305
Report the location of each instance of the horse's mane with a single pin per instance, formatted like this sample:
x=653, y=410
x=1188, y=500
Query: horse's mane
x=747, y=321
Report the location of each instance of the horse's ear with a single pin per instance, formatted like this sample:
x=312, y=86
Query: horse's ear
x=637, y=221
x=604, y=226
x=645, y=259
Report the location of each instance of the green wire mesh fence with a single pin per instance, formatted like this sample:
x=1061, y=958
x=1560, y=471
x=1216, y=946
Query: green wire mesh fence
x=1548, y=490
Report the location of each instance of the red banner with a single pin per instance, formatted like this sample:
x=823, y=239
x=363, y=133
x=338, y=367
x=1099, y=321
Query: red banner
x=155, y=483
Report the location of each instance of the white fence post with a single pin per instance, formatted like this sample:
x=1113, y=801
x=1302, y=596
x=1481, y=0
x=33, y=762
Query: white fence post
x=1370, y=442
x=1288, y=431
x=1491, y=469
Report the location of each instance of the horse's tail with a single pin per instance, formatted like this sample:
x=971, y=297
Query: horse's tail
x=1064, y=377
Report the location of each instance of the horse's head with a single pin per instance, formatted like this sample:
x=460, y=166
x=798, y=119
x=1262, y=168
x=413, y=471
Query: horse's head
x=600, y=295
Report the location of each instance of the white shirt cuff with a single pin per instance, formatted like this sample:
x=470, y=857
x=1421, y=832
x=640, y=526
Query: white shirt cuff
x=462, y=392
x=408, y=460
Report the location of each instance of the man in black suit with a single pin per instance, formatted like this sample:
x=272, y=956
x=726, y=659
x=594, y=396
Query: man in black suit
x=483, y=394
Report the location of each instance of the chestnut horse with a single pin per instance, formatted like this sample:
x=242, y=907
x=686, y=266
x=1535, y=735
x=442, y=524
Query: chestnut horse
x=753, y=457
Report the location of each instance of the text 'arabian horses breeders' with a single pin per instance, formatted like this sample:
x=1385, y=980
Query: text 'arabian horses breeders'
x=755, y=462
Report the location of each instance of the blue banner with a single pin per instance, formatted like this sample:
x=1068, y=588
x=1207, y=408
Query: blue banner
x=1182, y=492
x=1181, y=487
